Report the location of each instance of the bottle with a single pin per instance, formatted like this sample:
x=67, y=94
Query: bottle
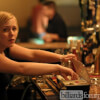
x=83, y=12
x=94, y=42
x=90, y=47
x=81, y=4
x=79, y=50
x=87, y=56
x=84, y=53
x=89, y=12
x=71, y=45
x=69, y=64
x=97, y=63
x=74, y=51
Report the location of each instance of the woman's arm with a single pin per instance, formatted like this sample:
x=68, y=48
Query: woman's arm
x=25, y=68
x=22, y=53
x=28, y=68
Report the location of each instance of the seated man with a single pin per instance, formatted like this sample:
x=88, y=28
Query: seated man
x=50, y=26
x=56, y=29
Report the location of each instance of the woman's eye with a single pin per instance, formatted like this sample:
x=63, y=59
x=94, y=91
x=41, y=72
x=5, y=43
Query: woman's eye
x=8, y=29
x=5, y=29
x=14, y=29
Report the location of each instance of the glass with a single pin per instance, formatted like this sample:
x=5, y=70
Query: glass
x=95, y=86
x=90, y=69
x=97, y=62
x=41, y=81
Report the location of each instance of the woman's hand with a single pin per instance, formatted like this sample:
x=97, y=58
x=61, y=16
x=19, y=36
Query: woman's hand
x=65, y=58
x=67, y=72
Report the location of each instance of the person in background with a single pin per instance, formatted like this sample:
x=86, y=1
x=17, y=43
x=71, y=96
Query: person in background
x=49, y=25
x=38, y=19
x=40, y=60
x=33, y=24
x=56, y=29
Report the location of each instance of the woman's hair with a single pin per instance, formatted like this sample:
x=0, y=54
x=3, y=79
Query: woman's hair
x=5, y=17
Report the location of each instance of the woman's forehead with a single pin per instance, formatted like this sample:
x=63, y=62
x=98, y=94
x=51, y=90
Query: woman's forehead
x=10, y=22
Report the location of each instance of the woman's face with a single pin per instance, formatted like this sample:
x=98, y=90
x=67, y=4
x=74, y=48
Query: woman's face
x=8, y=33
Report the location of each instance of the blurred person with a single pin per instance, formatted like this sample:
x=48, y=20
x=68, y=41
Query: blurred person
x=49, y=25
x=38, y=19
x=33, y=25
x=56, y=29
x=40, y=59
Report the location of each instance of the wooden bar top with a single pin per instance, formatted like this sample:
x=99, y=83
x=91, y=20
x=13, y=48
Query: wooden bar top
x=56, y=45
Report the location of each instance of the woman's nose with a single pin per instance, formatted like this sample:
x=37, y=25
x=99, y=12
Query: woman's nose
x=11, y=33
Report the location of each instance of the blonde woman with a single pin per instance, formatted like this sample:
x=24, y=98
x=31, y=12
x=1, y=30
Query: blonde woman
x=9, y=49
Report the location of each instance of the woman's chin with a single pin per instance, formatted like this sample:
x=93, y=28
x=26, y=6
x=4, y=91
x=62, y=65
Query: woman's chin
x=10, y=45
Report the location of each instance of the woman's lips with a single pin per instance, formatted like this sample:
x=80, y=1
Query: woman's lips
x=12, y=40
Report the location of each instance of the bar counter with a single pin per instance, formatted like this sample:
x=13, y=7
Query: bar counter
x=52, y=91
x=55, y=45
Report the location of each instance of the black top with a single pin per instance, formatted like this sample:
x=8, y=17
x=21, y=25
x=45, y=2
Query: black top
x=4, y=80
x=57, y=26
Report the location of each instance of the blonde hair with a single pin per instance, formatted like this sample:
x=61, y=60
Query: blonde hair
x=5, y=17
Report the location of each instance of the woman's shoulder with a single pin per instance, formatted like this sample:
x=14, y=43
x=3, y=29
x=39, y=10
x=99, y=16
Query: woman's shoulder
x=7, y=64
x=3, y=57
